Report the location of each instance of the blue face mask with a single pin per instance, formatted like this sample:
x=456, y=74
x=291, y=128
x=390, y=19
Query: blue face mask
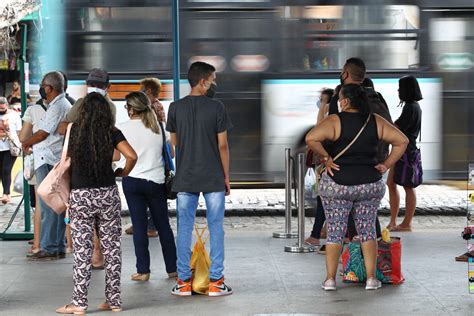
x=318, y=104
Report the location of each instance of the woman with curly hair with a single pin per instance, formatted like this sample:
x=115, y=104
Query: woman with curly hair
x=95, y=200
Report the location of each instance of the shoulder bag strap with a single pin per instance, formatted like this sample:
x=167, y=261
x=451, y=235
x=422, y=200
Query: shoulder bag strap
x=354, y=140
x=44, y=107
x=164, y=152
x=66, y=142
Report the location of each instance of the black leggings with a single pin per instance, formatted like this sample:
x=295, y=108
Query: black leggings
x=320, y=218
x=6, y=163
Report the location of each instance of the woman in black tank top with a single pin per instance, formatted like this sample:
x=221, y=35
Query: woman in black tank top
x=354, y=183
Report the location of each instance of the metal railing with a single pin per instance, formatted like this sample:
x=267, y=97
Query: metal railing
x=288, y=173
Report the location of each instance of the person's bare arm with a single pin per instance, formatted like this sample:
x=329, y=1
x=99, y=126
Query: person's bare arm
x=325, y=130
x=225, y=158
x=36, y=138
x=25, y=132
x=174, y=139
x=130, y=158
x=392, y=135
x=62, y=127
x=322, y=113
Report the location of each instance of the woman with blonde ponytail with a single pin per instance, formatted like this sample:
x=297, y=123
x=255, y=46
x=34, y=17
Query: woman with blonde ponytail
x=144, y=187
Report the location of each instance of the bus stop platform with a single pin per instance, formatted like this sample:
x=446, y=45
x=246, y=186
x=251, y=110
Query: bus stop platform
x=265, y=279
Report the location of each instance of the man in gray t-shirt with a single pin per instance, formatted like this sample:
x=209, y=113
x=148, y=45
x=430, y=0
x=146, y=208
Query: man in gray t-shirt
x=198, y=125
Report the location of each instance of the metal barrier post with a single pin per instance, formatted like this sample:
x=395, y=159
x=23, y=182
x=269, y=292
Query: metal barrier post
x=287, y=233
x=300, y=246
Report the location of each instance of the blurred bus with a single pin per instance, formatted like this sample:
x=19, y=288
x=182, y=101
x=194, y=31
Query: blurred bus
x=274, y=56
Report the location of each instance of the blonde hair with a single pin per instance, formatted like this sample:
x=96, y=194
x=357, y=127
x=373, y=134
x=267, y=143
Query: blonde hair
x=153, y=84
x=140, y=104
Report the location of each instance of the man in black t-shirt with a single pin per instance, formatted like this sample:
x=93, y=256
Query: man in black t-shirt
x=198, y=125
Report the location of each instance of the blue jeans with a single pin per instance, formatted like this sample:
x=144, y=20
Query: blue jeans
x=52, y=225
x=142, y=194
x=187, y=205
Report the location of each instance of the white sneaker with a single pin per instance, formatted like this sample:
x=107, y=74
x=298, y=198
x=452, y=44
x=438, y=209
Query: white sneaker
x=373, y=284
x=329, y=285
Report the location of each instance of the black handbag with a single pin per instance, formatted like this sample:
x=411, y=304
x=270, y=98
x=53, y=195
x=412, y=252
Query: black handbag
x=169, y=175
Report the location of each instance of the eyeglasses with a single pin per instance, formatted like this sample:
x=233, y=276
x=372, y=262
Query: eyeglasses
x=126, y=106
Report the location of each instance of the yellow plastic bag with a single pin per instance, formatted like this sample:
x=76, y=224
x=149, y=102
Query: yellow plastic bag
x=200, y=263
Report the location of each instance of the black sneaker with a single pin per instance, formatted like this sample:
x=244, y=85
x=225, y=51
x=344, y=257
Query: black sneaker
x=60, y=255
x=43, y=256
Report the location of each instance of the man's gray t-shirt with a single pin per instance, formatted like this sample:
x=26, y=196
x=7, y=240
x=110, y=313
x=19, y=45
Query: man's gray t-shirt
x=197, y=120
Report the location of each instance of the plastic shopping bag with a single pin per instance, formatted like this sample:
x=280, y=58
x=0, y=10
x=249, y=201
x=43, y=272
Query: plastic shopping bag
x=310, y=185
x=200, y=263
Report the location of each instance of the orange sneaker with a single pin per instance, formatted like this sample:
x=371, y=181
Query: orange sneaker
x=182, y=288
x=219, y=288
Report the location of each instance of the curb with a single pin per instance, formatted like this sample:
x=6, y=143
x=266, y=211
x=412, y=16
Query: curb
x=310, y=211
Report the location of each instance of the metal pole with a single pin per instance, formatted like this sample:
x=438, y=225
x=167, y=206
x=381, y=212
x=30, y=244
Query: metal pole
x=300, y=246
x=287, y=233
x=12, y=234
x=26, y=188
x=176, y=52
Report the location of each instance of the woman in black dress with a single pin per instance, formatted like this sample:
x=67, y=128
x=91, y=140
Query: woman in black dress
x=409, y=123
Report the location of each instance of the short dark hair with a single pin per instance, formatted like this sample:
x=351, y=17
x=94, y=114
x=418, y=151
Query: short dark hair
x=329, y=92
x=199, y=70
x=368, y=83
x=408, y=89
x=356, y=68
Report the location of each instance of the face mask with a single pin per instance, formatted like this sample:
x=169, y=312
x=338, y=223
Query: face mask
x=97, y=90
x=3, y=111
x=42, y=93
x=318, y=104
x=339, y=107
x=211, y=91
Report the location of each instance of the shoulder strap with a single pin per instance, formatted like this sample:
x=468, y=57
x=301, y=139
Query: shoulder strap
x=44, y=107
x=354, y=140
x=66, y=142
x=164, y=152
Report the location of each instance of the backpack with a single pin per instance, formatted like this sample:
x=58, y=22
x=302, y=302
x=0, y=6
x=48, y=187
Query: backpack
x=378, y=106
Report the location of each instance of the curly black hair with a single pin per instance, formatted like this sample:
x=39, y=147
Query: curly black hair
x=91, y=145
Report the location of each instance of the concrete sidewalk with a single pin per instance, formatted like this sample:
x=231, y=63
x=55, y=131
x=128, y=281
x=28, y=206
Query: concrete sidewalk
x=265, y=279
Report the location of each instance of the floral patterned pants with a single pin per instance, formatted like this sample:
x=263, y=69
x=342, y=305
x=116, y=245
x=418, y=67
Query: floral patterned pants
x=98, y=207
x=340, y=200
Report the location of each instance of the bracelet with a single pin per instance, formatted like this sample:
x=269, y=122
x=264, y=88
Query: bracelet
x=325, y=159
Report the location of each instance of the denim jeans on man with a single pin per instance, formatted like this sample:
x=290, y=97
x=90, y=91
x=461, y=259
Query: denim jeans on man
x=52, y=224
x=215, y=208
x=140, y=194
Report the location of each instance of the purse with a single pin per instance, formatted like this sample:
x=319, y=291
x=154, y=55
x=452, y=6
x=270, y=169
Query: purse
x=408, y=170
x=55, y=188
x=14, y=143
x=169, y=175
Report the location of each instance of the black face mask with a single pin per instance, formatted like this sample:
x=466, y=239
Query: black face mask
x=3, y=112
x=211, y=92
x=42, y=93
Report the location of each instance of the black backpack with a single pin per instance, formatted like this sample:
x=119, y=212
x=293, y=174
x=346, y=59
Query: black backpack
x=378, y=106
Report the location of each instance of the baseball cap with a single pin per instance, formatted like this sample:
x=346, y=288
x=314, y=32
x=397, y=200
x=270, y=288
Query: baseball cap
x=98, y=75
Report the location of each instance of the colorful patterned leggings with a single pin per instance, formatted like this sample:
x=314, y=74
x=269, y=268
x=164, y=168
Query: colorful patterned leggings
x=340, y=200
x=100, y=207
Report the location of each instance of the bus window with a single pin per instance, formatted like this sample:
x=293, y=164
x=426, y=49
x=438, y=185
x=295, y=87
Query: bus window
x=334, y=33
x=119, y=39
